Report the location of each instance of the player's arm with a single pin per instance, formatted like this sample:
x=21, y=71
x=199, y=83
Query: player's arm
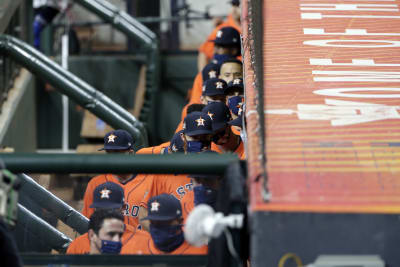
x=201, y=61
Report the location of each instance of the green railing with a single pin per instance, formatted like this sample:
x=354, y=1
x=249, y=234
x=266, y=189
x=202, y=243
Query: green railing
x=72, y=86
x=136, y=31
x=11, y=24
x=106, y=163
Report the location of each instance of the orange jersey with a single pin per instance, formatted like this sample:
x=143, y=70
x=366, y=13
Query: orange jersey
x=81, y=245
x=208, y=46
x=148, y=248
x=196, y=90
x=176, y=185
x=239, y=150
x=136, y=191
x=153, y=149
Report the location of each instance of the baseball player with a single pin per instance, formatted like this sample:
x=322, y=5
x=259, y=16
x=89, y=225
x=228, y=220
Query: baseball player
x=137, y=187
x=214, y=91
x=166, y=234
x=230, y=70
x=106, y=196
x=206, y=50
x=224, y=140
x=196, y=137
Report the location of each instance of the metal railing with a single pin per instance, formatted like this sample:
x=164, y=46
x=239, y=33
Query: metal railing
x=75, y=88
x=142, y=35
x=10, y=23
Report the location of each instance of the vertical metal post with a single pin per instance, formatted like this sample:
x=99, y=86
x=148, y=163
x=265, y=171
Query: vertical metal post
x=65, y=102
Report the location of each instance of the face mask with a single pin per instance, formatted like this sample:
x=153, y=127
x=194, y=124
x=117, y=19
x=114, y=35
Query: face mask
x=204, y=195
x=221, y=58
x=196, y=146
x=167, y=238
x=110, y=247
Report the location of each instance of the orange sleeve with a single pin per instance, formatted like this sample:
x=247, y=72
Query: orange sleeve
x=197, y=89
x=208, y=47
x=81, y=245
x=153, y=149
x=138, y=244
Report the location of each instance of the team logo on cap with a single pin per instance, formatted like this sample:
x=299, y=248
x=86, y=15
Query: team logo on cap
x=204, y=88
x=240, y=111
x=111, y=138
x=210, y=115
x=212, y=74
x=173, y=148
x=219, y=85
x=219, y=34
x=184, y=126
x=154, y=206
x=200, y=121
x=105, y=193
x=236, y=81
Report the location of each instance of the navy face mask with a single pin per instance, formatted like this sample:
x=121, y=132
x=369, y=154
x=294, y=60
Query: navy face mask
x=196, y=146
x=221, y=58
x=167, y=238
x=110, y=247
x=204, y=195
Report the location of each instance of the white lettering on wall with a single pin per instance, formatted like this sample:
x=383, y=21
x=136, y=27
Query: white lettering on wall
x=344, y=92
x=356, y=76
x=312, y=31
x=354, y=43
x=351, y=7
x=321, y=16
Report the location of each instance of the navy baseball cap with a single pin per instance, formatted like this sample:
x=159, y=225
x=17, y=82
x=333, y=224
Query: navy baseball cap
x=211, y=70
x=235, y=2
x=117, y=140
x=236, y=122
x=176, y=144
x=163, y=207
x=108, y=196
x=214, y=86
x=197, y=123
x=227, y=36
x=219, y=115
x=235, y=104
x=235, y=85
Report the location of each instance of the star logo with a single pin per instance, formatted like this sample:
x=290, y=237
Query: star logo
x=173, y=148
x=154, y=206
x=212, y=74
x=210, y=115
x=105, y=193
x=219, y=85
x=111, y=138
x=184, y=126
x=200, y=121
x=236, y=81
x=240, y=111
x=219, y=34
x=204, y=88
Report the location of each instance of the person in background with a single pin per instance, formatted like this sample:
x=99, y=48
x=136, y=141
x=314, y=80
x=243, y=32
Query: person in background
x=206, y=50
x=108, y=196
x=106, y=227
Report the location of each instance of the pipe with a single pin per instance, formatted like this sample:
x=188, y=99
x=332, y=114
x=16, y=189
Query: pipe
x=52, y=203
x=137, y=31
x=11, y=42
x=93, y=101
x=44, y=231
x=178, y=163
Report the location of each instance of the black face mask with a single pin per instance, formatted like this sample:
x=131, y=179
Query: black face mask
x=218, y=136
